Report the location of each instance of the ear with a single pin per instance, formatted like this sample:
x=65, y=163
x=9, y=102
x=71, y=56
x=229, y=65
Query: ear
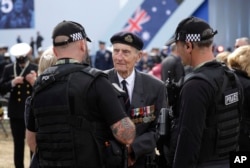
x=189, y=45
x=82, y=45
x=55, y=52
x=139, y=56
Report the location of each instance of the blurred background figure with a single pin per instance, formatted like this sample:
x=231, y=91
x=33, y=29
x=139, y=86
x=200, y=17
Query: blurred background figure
x=241, y=41
x=38, y=56
x=17, y=79
x=156, y=69
x=172, y=63
x=145, y=62
x=46, y=60
x=19, y=39
x=164, y=52
x=239, y=60
x=222, y=57
x=3, y=61
x=153, y=52
x=32, y=45
x=103, y=57
x=39, y=40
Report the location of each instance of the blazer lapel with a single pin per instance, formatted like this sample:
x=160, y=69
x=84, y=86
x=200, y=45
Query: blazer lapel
x=113, y=77
x=138, y=98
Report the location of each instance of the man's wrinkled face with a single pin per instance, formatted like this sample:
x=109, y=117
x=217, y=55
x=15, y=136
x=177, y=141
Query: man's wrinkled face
x=125, y=58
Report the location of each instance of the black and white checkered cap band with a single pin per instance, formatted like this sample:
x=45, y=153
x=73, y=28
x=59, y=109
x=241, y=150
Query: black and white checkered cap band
x=73, y=37
x=193, y=37
x=76, y=36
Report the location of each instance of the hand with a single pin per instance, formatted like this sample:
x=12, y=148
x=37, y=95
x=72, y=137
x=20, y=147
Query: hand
x=17, y=80
x=131, y=161
x=31, y=77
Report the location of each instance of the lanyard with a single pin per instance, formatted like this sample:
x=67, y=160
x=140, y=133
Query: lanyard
x=25, y=67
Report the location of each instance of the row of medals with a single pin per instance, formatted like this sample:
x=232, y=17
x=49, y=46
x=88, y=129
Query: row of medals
x=143, y=114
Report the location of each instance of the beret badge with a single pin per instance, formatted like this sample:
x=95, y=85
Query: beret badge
x=128, y=39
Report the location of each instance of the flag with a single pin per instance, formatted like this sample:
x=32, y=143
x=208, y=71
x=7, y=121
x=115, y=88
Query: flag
x=149, y=17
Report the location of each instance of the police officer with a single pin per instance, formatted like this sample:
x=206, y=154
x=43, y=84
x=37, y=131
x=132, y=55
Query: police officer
x=17, y=79
x=145, y=97
x=75, y=108
x=208, y=101
x=103, y=57
x=172, y=63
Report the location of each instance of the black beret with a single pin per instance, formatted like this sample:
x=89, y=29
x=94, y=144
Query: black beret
x=127, y=38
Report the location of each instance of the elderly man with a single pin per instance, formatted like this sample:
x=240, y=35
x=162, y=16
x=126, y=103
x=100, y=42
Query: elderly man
x=144, y=99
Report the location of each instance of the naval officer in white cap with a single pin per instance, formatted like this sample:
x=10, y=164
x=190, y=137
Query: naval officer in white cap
x=17, y=79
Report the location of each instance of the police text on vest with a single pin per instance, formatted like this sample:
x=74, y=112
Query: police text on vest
x=231, y=98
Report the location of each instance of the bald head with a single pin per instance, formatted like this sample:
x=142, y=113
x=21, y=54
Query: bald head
x=76, y=50
x=241, y=42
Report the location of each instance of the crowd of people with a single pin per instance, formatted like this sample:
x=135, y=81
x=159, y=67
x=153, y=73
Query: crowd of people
x=108, y=112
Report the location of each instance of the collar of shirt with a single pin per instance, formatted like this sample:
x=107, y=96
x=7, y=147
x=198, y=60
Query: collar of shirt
x=130, y=83
x=201, y=64
x=67, y=61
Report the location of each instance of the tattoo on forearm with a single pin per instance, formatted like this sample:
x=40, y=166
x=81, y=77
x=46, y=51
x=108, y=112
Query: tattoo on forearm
x=124, y=130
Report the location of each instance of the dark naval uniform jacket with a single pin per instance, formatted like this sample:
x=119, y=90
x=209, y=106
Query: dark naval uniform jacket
x=148, y=97
x=19, y=93
x=103, y=60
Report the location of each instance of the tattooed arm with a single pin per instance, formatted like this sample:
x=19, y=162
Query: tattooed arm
x=124, y=130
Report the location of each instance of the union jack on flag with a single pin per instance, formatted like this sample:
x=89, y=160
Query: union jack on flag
x=149, y=17
x=135, y=23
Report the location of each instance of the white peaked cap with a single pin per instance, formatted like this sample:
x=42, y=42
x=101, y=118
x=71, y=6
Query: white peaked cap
x=20, y=49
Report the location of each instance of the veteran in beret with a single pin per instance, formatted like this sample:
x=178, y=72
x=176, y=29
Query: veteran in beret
x=145, y=96
x=17, y=79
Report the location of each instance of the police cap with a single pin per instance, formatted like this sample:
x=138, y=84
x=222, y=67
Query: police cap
x=73, y=30
x=192, y=29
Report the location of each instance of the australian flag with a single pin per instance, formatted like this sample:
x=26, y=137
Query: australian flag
x=149, y=17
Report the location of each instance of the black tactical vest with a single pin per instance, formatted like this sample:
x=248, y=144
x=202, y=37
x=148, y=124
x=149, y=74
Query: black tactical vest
x=222, y=124
x=65, y=135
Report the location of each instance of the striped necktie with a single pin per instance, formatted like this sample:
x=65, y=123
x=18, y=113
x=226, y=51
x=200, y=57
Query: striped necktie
x=126, y=97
